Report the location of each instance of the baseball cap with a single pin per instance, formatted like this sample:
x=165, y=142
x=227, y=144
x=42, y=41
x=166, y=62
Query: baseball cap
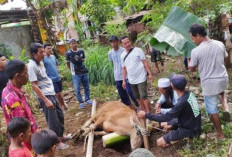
x=72, y=40
x=113, y=38
x=178, y=81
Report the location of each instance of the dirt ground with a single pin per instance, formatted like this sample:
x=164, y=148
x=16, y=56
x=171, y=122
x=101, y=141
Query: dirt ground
x=73, y=123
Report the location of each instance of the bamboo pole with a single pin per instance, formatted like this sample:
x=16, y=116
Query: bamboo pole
x=89, y=151
x=145, y=138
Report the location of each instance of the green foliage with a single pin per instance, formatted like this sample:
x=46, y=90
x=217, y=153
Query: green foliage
x=63, y=70
x=100, y=68
x=77, y=23
x=6, y=50
x=116, y=29
x=209, y=146
x=23, y=56
x=87, y=42
x=98, y=11
x=103, y=92
x=31, y=98
x=133, y=6
x=201, y=8
x=4, y=143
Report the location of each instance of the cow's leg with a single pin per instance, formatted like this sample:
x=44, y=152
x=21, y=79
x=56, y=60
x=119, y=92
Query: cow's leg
x=109, y=126
x=100, y=133
x=98, y=122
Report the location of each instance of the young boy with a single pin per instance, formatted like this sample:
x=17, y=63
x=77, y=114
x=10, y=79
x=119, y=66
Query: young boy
x=19, y=129
x=44, y=143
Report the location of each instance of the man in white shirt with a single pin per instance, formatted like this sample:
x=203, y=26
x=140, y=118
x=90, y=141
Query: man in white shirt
x=135, y=67
x=115, y=56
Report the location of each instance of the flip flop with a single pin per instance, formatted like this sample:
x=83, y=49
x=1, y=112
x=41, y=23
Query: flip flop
x=62, y=146
x=66, y=138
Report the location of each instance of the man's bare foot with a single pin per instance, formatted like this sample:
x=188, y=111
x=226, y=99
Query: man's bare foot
x=220, y=136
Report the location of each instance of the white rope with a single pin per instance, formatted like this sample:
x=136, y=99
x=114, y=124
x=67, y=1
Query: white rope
x=137, y=126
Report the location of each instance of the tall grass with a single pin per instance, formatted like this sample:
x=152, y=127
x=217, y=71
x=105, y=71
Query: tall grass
x=64, y=71
x=96, y=60
x=100, y=68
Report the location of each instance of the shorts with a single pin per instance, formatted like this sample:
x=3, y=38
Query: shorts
x=211, y=104
x=179, y=134
x=155, y=56
x=57, y=86
x=139, y=90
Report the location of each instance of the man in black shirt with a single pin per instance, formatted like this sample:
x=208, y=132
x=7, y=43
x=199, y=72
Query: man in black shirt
x=186, y=110
x=3, y=76
x=75, y=61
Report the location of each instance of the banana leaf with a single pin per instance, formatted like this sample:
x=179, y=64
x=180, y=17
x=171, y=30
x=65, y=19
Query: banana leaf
x=173, y=36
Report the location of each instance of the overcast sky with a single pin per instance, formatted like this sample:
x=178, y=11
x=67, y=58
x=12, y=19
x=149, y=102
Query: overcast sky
x=15, y=4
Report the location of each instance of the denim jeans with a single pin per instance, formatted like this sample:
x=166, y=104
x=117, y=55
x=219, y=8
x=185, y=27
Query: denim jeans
x=124, y=94
x=77, y=81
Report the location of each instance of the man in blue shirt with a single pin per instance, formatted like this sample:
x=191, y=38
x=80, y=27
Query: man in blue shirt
x=115, y=57
x=51, y=65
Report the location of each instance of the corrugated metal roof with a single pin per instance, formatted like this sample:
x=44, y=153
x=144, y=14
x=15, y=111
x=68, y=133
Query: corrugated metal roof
x=9, y=16
x=134, y=16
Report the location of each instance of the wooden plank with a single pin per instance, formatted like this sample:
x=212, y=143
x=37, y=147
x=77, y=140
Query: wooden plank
x=145, y=138
x=89, y=152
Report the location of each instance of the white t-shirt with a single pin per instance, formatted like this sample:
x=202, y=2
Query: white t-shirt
x=115, y=57
x=37, y=72
x=209, y=59
x=136, y=71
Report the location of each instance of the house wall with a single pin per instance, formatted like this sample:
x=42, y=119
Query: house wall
x=16, y=38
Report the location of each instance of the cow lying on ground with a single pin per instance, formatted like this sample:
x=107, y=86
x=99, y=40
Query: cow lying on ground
x=114, y=117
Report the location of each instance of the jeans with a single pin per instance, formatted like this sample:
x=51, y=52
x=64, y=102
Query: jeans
x=211, y=104
x=124, y=94
x=77, y=81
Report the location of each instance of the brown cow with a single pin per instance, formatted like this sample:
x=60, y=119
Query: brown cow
x=114, y=117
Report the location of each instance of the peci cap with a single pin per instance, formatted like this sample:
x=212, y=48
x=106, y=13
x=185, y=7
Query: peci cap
x=72, y=40
x=178, y=81
x=163, y=83
x=113, y=38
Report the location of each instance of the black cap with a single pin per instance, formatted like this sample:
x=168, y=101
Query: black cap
x=178, y=81
x=113, y=38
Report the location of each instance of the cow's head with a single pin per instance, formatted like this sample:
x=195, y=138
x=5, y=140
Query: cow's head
x=135, y=139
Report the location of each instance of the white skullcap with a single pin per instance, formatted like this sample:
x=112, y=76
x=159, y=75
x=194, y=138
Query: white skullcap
x=163, y=82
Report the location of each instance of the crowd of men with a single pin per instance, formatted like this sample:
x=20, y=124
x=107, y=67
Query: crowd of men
x=177, y=107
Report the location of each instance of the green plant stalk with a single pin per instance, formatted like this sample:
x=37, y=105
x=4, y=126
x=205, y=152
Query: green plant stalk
x=112, y=139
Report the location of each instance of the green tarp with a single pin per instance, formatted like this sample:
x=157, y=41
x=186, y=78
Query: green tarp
x=173, y=35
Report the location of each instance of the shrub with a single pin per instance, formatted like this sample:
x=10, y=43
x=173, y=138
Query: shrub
x=100, y=68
